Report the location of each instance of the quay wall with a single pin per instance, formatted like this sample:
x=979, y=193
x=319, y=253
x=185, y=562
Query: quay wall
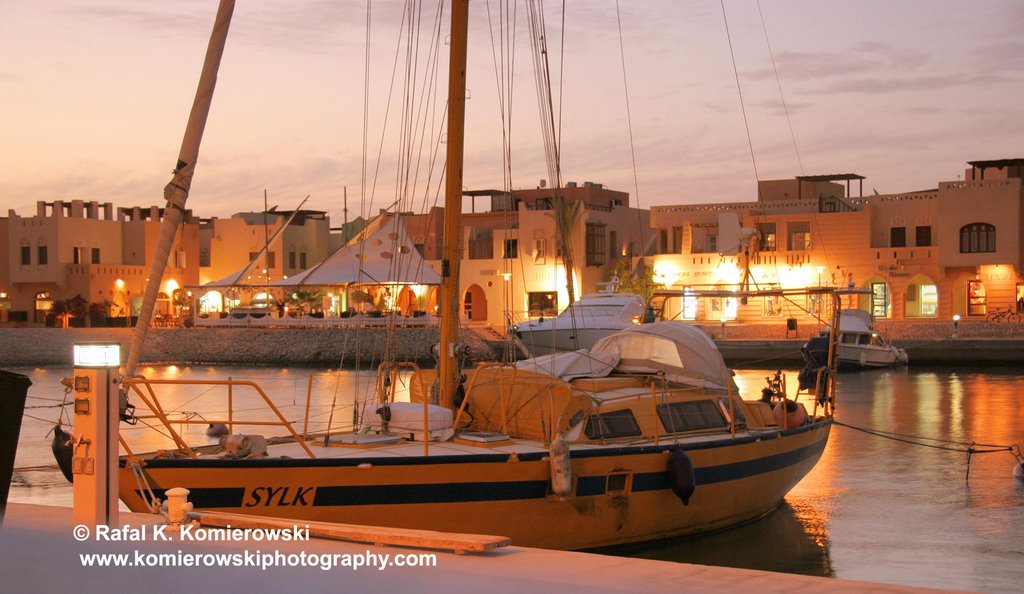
x=313, y=347
x=744, y=344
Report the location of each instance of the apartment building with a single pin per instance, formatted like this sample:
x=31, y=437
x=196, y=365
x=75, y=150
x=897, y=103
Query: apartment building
x=512, y=266
x=88, y=252
x=954, y=249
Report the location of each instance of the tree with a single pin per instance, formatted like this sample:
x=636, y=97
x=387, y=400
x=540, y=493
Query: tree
x=639, y=280
x=567, y=216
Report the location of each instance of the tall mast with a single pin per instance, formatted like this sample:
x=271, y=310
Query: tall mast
x=448, y=365
x=176, y=192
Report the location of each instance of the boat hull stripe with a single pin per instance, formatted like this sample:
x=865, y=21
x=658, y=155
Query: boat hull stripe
x=586, y=486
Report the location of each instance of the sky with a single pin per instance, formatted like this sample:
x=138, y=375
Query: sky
x=95, y=94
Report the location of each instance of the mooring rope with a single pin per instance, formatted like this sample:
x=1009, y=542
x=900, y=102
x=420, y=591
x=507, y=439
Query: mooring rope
x=966, y=447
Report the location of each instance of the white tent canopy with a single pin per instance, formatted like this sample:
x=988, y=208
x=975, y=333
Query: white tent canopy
x=382, y=254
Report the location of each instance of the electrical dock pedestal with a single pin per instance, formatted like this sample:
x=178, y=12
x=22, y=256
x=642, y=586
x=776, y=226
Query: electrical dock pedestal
x=95, y=418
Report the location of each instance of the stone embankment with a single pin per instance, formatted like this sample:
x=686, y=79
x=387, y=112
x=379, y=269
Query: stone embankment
x=27, y=347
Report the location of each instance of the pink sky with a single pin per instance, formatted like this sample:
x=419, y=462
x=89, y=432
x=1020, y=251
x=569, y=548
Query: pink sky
x=94, y=96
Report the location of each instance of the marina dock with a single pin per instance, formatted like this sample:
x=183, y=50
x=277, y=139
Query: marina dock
x=38, y=553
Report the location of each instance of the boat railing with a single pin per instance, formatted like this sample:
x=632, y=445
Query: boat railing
x=143, y=388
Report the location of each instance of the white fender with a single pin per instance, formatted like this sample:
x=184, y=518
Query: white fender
x=561, y=469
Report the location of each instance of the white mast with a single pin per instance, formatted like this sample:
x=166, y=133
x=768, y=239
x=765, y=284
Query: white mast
x=176, y=192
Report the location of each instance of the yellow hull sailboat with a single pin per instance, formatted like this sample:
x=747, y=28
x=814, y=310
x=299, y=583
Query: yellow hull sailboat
x=642, y=437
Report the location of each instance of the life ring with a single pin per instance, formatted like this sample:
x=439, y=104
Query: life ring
x=681, y=476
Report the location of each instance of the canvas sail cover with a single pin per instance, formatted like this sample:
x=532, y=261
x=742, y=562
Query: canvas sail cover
x=684, y=353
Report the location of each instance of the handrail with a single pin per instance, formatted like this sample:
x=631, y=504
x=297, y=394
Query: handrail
x=135, y=384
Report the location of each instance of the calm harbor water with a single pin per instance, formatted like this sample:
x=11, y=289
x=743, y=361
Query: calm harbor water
x=873, y=509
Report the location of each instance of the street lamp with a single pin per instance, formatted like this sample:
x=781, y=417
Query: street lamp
x=956, y=325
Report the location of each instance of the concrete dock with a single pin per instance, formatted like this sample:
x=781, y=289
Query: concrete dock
x=38, y=553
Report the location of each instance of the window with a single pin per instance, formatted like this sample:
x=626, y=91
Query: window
x=271, y=259
x=977, y=238
x=798, y=235
x=42, y=255
x=540, y=249
x=977, y=298
x=620, y=423
x=613, y=243
x=543, y=303
x=96, y=256
x=1020, y=298
x=302, y=260
x=511, y=249
x=291, y=260
x=78, y=255
x=879, y=300
x=595, y=245
x=898, y=237
x=26, y=255
x=663, y=241
x=773, y=306
x=677, y=240
x=924, y=235
x=179, y=258
x=691, y=416
x=689, y=305
x=929, y=301
x=43, y=305
x=767, y=241
x=711, y=243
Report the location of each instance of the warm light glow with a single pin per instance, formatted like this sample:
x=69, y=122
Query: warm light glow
x=507, y=276
x=727, y=273
x=171, y=286
x=418, y=290
x=956, y=317
x=119, y=283
x=97, y=355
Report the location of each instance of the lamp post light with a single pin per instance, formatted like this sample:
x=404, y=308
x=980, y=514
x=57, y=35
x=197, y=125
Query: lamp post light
x=956, y=325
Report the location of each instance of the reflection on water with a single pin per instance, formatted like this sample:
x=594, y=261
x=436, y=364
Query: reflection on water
x=872, y=509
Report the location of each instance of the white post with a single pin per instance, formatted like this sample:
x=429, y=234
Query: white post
x=95, y=458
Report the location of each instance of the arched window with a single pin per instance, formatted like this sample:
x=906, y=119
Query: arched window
x=977, y=237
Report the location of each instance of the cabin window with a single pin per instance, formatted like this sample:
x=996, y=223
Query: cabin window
x=26, y=255
x=691, y=416
x=620, y=423
x=977, y=237
x=43, y=256
x=737, y=411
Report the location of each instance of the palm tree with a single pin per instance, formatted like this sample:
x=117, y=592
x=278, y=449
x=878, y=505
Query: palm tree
x=567, y=216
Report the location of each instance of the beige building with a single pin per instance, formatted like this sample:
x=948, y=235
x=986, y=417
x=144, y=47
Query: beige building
x=84, y=251
x=512, y=267
x=932, y=254
x=227, y=246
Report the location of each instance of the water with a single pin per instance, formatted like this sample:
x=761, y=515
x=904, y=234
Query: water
x=872, y=509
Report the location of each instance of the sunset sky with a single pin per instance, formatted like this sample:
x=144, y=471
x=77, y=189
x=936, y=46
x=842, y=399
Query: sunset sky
x=94, y=96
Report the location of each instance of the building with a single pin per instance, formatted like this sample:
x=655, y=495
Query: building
x=84, y=257
x=512, y=267
x=931, y=254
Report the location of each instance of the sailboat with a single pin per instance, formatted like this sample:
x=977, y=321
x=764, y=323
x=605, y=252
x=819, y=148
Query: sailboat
x=644, y=436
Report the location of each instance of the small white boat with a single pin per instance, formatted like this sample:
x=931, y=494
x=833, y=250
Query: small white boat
x=582, y=324
x=861, y=346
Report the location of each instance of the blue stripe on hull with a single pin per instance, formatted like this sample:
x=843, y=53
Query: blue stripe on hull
x=586, y=486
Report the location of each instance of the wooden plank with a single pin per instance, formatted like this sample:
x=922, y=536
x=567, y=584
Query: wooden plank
x=377, y=535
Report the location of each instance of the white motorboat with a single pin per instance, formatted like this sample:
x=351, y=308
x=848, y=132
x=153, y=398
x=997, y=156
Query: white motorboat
x=860, y=344
x=582, y=324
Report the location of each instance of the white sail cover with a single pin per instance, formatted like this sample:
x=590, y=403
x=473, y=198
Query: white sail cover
x=682, y=352
x=381, y=253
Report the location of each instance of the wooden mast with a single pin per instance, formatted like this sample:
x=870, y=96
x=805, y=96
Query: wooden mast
x=448, y=367
x=176, y=192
